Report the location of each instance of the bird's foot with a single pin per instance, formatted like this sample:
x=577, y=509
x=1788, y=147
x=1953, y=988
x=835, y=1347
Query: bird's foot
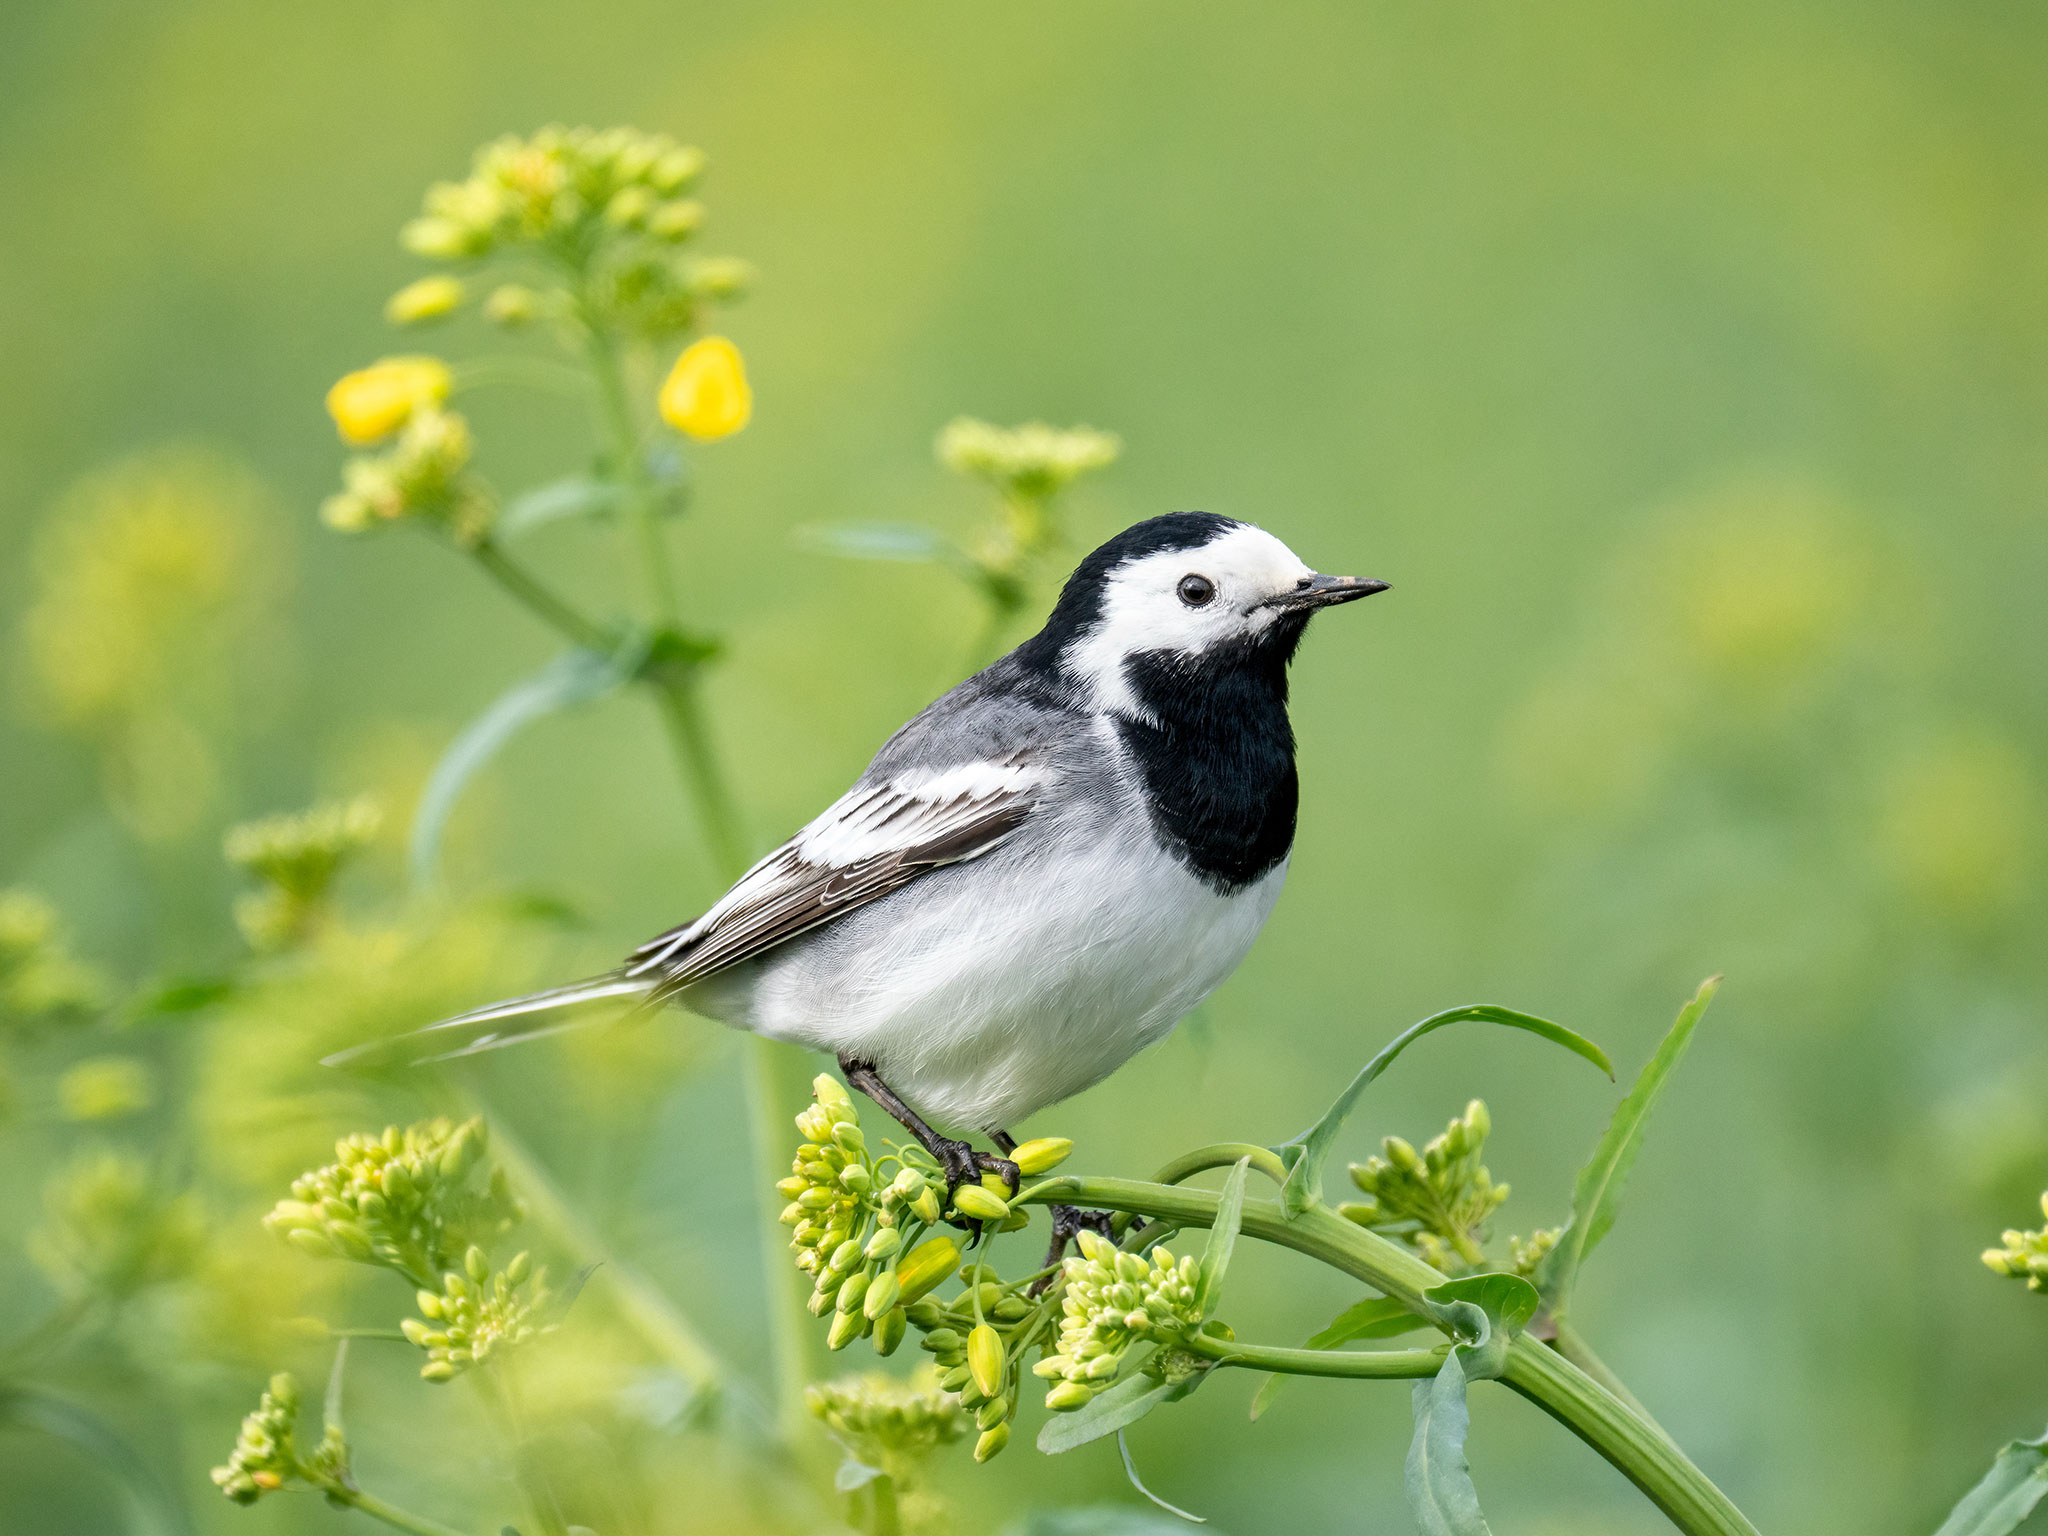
x=1066, y=1221
x=962, y=1164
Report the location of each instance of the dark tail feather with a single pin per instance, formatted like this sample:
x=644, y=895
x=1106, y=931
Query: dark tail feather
x=439, y=1041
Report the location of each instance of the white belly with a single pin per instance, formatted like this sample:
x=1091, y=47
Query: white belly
x=987, y=991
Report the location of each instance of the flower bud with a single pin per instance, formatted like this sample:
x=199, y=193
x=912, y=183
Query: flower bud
x=885, y=1242
x=881, y=1294
x=520, y=1267
x=1042, y=1155
x=991, y=1442
x=676, y=169
x=430, y=298
x=707, y=395
x=992, y=1413
x=889, y=1330
x=985, y=1359
x=855, y=1287
x=845, y=1329
x=676, y=220
x=477, y=1264
x=925, y=1205
x=512, y=305
x=312, y=1242
x=956, y=1378
x=437, y=1370
x=926, y=1266
x=1068, y=1396
x=974, y=1201
x=372, y=403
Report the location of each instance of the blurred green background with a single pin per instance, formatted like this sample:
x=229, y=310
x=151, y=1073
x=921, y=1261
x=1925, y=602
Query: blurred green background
x=1685, y=368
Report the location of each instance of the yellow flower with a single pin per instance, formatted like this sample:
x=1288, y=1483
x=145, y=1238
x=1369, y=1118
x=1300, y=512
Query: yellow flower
x=374, y=402
x=706, y=394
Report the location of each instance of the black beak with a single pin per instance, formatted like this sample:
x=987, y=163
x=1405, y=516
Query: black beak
x=1313, y=592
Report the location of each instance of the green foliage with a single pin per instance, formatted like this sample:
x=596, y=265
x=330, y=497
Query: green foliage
x=1596, y=1194
x=1486, y=1312
x=1305, y=1155
x=1437, y=1200
x=2017, y=1481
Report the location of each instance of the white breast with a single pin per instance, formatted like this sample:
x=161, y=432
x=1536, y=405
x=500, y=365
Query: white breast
x=984, y=993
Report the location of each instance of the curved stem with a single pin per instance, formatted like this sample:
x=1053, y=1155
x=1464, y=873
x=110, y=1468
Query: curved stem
x=1632, y=1444
x=1223, y=1154
x=1384, y=1364
x=615, y=413
x=390, y=1514
x=522, y=585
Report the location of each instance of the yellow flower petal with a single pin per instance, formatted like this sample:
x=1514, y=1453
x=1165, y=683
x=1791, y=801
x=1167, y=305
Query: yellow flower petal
x=706, y=394
x=374, y=402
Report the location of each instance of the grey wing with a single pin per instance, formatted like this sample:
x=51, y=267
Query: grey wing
x=875, y=839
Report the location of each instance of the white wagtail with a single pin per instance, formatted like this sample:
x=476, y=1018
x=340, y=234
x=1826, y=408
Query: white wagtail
x=1038, y=876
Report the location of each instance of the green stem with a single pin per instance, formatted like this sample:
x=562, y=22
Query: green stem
x=888, y=1520
x=615, y=412
x=1376, y=1365
x=690, y=735
x=1572, y=1345
x=529, y=591
x=1632, y=1444
x=1223, y=1154
x=390, y=1514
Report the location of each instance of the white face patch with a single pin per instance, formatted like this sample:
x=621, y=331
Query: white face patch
x=1142, y=607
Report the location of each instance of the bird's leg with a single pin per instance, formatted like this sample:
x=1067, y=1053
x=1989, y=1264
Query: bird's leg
x=959, y=1161
x=1066, y=1220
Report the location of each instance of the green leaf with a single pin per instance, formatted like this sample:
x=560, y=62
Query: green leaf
x=1222, y=1240
x=1376, y=1317
x=854, y=1473
x=180, y=994
x=1306, y=1153
x=905, y=542
x=1596, y=1195
x=1118, y=1408
x=571, y=678
x=2005, y=1496
x=558, y=500
x=1123, y=1447
x=152, y=1509
x=1486, y=1312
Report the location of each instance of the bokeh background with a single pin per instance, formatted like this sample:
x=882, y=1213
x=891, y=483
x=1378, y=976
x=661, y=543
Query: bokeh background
x=1684, y=368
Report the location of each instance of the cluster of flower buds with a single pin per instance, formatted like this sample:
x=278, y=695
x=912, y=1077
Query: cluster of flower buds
x=1437, y=1200
x=1033, y=462
x=861, y=1223
x=2024, y=1256
x=266, y=1455
x=854, y=1218
x=111, y=1229
x=887, y=1422
x=1111, y=1301
x=978, y=1341
x=1526, y=1255
x=425, y=473
x=405, y=1200
x=297, y=858
x=476, y=1312
x=41, y=981
x=611, y=204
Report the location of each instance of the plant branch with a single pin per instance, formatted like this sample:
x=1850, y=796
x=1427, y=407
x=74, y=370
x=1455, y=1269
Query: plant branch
x=1631, y=1443
x=390, y=1514
x=1223, y=1154
x=529, y=591
x=689, y=734
x=1385, y=1364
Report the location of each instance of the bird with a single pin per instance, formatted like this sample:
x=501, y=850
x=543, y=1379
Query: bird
x=1038, y=876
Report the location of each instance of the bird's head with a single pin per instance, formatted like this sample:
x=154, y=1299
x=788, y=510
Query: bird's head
x=1189, y=585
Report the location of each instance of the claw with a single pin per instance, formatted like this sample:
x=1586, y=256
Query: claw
x=1066, y=1221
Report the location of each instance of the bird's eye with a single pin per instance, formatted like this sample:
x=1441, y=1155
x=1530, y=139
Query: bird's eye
x=1196, y=590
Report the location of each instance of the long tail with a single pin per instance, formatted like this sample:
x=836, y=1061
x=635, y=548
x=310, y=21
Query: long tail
x=535, y=1005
